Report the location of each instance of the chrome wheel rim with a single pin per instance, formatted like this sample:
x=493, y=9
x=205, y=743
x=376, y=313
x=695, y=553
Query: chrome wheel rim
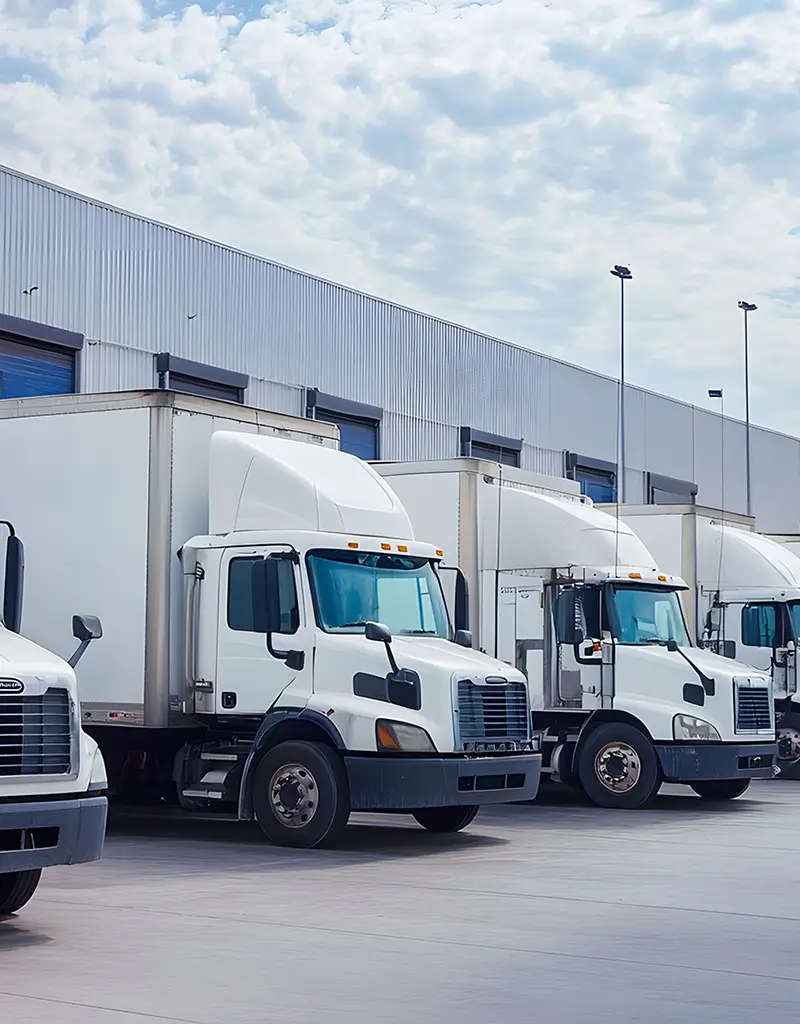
x=293, y=795
x=618, y=767
x=789, y=745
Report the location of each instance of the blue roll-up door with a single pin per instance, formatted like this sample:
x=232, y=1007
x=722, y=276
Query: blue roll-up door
x=356, y=437
x=34, y=369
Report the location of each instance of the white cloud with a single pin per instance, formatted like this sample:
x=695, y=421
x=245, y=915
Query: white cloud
x=487, y=162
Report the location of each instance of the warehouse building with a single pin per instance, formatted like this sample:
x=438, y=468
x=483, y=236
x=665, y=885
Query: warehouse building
x=96, y=299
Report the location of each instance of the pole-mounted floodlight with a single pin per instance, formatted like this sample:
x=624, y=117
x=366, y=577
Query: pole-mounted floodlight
x=747, y=307
x=624, y=274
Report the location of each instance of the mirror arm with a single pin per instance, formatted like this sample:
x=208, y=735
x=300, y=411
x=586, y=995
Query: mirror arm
x=392, y=661
x=78, y=653
x=708, y=682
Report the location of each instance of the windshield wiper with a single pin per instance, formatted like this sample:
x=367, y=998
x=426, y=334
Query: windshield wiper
x=348, y=625
x=417, y=632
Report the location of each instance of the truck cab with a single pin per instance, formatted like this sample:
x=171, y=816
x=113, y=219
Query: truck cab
x=743, y=597
x=52, y=776
x=328, y=636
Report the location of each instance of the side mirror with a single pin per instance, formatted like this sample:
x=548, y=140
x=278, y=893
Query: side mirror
x=377, y=631
x=570, y=622
x=266, y=596
x=461, y=609
x=13, y=583
x=85, y=628
x=463, y=638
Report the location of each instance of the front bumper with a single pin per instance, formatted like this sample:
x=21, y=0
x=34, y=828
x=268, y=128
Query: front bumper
x=696, y=762
x=380, y=783
x=43, y=833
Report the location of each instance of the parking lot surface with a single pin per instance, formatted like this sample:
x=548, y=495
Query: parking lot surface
x=556, y=911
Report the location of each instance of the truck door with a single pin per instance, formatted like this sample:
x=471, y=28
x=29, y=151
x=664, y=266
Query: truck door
x=580, y=671
x=767, y=642
x=249, y=678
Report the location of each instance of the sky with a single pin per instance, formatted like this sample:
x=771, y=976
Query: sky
x=486, y=162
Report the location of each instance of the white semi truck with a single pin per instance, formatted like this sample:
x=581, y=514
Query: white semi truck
x=743, y=599
x=622, y=700
x=52, y=776
x=277, y=643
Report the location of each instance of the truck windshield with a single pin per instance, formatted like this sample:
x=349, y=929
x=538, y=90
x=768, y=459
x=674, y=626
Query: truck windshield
x=352, y=588
x=647, y=615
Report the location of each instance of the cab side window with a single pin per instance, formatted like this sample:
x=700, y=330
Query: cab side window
x=761, y=626
x=240, y=596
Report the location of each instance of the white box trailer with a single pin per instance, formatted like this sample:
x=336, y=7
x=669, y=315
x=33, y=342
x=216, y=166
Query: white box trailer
x=242, y=565
x=106, y=489
x=566, y=592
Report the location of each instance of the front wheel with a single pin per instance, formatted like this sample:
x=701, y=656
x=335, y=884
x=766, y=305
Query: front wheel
x=721, y=789
x=445, y=819
x=301, y=797
x=618, y=767
x=16, y=889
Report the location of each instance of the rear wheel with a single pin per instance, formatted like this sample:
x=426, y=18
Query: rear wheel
x=16, y=889
x=618, y=767
x=301, y=796
x=445, y=819
x=721, y=789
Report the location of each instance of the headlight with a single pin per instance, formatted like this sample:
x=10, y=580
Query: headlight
x=398, y=736
x=686, y=727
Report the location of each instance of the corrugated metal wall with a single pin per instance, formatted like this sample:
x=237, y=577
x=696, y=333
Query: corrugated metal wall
x=130, y=285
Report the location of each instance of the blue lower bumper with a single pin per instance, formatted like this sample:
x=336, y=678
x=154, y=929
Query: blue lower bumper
x=686, y=762
x=380, y=783
x=41, y=834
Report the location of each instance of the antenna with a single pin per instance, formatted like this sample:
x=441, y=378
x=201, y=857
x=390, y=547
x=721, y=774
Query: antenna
x=623, y=274
x=719, y=394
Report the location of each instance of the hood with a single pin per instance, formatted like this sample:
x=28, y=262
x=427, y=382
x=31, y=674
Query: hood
x=419, y=651
x=22, y=657
x=708, y=662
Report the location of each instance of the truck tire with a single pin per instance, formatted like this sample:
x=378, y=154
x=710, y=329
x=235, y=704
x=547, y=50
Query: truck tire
x=721, y=789
x=789, y=747
x=618, y=767
x=445, y=819
x=301, y=796
x=16, y=889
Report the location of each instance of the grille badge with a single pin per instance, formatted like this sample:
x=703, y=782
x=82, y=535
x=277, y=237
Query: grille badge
x=11, y=686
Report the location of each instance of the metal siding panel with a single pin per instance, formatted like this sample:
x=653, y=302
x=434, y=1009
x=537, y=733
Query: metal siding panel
x=584, y=412
x=669, y=438
x=775, y=482
x=44, y=244
x=548, y=461
x=106, y=367
x=409, y=439
x=275, y=397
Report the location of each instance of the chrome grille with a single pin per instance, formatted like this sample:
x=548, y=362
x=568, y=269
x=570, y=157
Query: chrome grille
x=753, y=709
x=493, y=712
x=36, y=733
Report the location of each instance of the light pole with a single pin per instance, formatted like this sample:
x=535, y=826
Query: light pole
x=719, y=394
x=747, y=307
x=624, y=274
